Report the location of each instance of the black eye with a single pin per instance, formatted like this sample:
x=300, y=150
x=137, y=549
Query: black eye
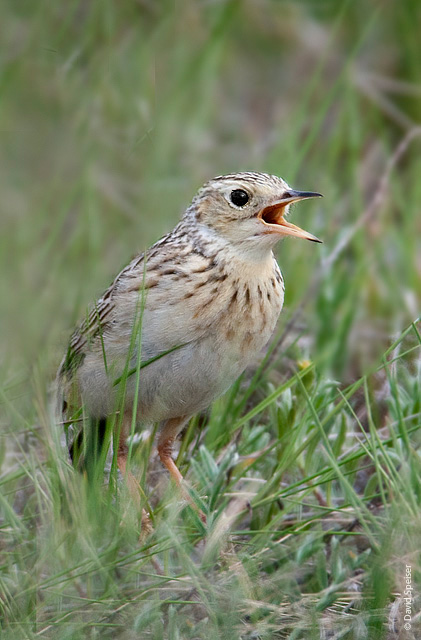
x=239, y=197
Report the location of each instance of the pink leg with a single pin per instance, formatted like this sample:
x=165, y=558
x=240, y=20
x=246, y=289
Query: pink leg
x=168, y=434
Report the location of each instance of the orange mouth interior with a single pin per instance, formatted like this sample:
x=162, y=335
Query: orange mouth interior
x=273, y=214
x=273, y=217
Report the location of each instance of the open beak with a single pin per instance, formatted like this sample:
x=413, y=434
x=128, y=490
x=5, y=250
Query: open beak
x=273, y=216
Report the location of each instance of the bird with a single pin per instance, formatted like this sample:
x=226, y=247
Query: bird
x=183, y=320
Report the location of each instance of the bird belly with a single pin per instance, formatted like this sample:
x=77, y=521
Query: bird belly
x=180, y=383
x=190, y=378
x=186, y=381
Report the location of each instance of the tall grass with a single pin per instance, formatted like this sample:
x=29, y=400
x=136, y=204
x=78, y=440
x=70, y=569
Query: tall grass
x=309, y=468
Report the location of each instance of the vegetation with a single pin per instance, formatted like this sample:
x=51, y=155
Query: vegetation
x=112, y=115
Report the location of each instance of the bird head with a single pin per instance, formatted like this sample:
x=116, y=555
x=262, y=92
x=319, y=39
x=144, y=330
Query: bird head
x=249, y=209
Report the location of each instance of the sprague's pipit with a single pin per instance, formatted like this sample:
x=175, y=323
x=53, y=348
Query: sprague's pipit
x=206, y=298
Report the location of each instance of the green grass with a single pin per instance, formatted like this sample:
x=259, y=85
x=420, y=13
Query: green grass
x=112, y=114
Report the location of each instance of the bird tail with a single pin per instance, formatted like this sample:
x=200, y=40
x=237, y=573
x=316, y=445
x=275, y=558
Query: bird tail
x=87, y=447
x=83, y=437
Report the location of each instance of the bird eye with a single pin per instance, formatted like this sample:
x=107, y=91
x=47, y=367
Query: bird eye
x=239, y=197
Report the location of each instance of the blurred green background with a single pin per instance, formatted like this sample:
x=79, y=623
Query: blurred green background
x=112, y=116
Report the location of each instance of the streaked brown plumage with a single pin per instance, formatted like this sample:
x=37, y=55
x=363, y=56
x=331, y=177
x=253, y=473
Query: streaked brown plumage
x=211, y=291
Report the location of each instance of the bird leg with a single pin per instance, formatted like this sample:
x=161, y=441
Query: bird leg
x=167, y=436
x=131, y=481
